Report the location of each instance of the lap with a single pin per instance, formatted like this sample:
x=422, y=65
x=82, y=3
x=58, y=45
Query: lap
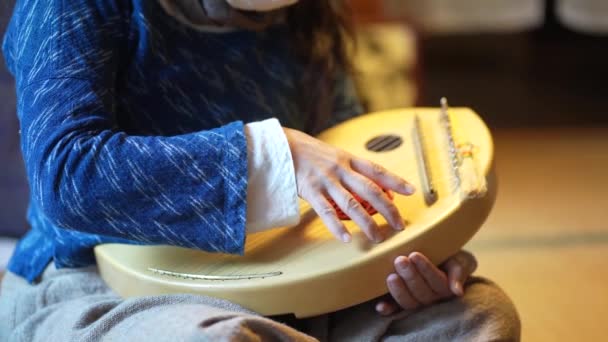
x=484, y=313
x=75, y=304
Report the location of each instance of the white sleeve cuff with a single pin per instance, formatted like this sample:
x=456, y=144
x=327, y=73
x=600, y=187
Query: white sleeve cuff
x=272, y=194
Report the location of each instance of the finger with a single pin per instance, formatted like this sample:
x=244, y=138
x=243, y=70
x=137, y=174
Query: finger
x=387, y=307
x=436, y=278
x=374, y=195
x=400, y=292
x=353, y=208
x=414, y=281
x=382, y=176
x=456, y=276
x=328, y=215
x=459, y=267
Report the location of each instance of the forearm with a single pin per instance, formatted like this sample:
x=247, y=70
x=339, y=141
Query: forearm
x=187, y=190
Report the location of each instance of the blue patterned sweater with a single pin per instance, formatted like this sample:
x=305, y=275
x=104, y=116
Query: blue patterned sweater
x=132, y=125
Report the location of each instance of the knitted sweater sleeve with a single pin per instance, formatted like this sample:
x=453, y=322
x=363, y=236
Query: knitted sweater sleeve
x=88, y=175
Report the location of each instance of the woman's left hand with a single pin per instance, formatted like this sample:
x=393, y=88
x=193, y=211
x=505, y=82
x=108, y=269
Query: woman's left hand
x=417, y=282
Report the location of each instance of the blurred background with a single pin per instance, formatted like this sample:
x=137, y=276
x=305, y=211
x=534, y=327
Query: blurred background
x=536, y=71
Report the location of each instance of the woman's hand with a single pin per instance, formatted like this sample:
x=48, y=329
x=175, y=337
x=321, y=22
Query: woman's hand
x=323, y=171
x=417, y=282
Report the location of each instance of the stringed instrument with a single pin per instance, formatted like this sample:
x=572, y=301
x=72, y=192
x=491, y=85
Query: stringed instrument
x=446, y=153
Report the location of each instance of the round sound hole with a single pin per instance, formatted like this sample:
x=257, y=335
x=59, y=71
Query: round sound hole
x=383, y=143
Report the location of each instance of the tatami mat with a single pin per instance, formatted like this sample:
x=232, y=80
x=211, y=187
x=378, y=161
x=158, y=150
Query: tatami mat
x=546, y=242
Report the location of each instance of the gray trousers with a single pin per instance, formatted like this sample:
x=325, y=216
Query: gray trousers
x=76, y=305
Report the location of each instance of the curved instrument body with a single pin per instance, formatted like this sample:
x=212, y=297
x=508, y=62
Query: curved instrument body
x=306, y=271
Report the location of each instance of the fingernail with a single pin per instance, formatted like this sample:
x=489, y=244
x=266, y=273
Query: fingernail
x=400, y=225
x=392, y=277
x=402, y=261
x=377, y=236
x=416, y=259
x=409, y=189
x=346, y=237
x=380, y=307
x=458, y=289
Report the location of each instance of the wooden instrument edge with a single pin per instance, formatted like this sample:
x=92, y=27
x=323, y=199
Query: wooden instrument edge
x=356, y=284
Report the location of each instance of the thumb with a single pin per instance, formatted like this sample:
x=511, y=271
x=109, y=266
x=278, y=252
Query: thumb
x=459, y=268
x=456, y=277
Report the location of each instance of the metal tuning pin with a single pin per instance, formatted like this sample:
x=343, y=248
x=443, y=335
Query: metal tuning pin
x=452, y=149
x=426, y=177
x=467, y=178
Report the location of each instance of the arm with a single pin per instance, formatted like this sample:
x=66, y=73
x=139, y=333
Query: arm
x=272, y=193
x=87, y=175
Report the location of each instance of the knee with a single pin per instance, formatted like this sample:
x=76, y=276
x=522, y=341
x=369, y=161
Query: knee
x=489, y=312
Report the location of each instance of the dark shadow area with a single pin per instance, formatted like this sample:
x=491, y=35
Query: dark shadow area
x=13, y=186
x=550, y=76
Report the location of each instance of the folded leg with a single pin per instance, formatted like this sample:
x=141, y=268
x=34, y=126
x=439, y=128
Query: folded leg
x=76, y=305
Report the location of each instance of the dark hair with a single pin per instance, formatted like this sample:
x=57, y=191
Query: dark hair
x=320, y=31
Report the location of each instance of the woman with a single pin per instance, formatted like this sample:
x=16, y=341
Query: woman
x=132, y=131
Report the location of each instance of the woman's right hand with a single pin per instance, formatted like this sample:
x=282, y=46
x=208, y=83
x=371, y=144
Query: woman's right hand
x=323, y=171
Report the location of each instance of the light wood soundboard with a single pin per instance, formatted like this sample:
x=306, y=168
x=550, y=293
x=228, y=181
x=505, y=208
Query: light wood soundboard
x=446, y=153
